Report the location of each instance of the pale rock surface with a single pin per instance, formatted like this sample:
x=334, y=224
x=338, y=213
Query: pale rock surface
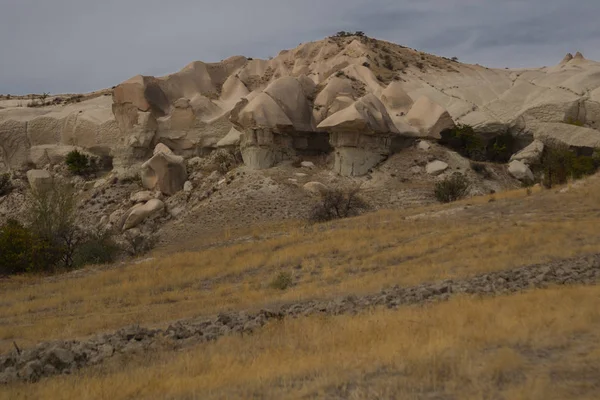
x=39, y=180
x=531, y=154
x=188, y=186
x=430, y=118
x=138, y=213
x=162, y=148
x=520, y=171
x=424, y=145
x=316, y=188
x=307, y=164
x=436, y=167
x=165, y=172
x=142, y=197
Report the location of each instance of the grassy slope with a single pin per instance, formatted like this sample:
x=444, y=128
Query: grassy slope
x=465, y=347
x=543, y=344
x=352, y=256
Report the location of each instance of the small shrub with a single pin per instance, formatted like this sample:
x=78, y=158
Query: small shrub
x=21, y=250
x=5, y=184
x=338, y=203
x=453, y=188
x=366, y=64
x=464, y=140
x=81, y=164
x=282, y=281
x=340, y=74
x=139, y=244
x=98, y=248
x=454, y=59
x=501, y=148
x=479, y=168
x=559, y=164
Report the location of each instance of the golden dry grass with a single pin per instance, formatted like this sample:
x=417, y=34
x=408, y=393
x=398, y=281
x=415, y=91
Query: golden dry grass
x=351, y=256
x=543, y=344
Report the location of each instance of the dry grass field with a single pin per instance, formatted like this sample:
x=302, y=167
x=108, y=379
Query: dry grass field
x=542, y=344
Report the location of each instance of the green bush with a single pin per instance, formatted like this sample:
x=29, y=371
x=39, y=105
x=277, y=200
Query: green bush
x=81, y=164
x=5, y=184
x=99, y=248
x=464, y=140
x=338, y=203
x=559, y=164
x=282, y=281
x=453, y=188
x=22, y=251
x=501, y=148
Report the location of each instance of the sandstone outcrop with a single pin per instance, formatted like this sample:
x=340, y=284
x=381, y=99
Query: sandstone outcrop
x=320, y=97
x=165, y=172
x=520, y=171
x=138, y=213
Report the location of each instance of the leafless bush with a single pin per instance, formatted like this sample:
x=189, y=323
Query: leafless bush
x=338, y=203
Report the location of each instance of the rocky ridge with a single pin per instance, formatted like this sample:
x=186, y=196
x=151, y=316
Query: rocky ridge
x=65, y=357
x=356, y=98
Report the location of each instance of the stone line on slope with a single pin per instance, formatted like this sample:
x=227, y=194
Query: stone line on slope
x=65, y=357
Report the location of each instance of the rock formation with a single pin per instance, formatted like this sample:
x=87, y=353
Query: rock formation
x=336, y=95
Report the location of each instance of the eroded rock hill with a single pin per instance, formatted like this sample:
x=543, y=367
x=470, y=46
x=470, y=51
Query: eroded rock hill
x=357, y=98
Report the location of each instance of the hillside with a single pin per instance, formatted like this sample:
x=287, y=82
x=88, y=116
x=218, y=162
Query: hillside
x=358, y=269
x=221, y=166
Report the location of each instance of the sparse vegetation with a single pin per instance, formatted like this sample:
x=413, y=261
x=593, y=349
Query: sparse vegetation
x=6, y=185
x=343, y=34
x=282, y=281
x=338, y=203
x=81, y=164
x=452, y=188
x=464, y=140
x=138, y=244
x=560, y=163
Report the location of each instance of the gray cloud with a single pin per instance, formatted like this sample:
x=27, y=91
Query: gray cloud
x=83, y=45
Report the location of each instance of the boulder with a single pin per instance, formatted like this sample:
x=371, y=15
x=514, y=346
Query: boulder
x=142, y=197
x=316, y=188
x=138, y=213
x=424, y=145
x=436, y=167
x=39, y=180
x=429, y=118
x=520, y=171
x=188, y=186
x=531, y=154
x=307, y=164
x=367, y=115
x=165, y=172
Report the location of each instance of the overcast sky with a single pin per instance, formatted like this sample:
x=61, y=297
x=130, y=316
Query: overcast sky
x=82, y=45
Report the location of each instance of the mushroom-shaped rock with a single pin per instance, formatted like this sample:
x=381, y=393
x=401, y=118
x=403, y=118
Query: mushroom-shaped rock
x=289, y=94
x=316, y=188
x=137, y=214
x=262, y=112
x=166, y=172
x=232, y=139
x=531, y=154
x=436, y=167
x=429, y=118
x=520, y=171
x=39, y=180
x=367, y=115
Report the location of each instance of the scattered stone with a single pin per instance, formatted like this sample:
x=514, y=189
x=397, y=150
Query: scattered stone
x=142, y=197
x=424, y=145
x=49, y=359
x=316, y=188
x=307, y=164
x=139, y=213
x=520, y=171
x=188, y=187
x=436, y=167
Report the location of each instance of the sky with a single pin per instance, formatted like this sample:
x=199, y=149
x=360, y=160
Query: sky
x=66, y=46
